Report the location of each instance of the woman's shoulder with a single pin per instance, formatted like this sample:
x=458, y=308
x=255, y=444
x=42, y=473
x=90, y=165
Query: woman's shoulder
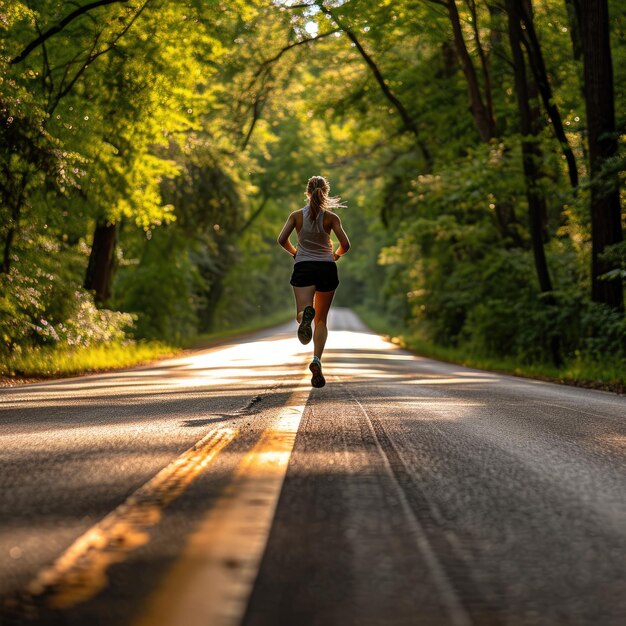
x=296, y=216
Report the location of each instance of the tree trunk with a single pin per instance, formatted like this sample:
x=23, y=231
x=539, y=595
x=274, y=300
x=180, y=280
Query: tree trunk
x=99, y=276
x=538, y=66
x=606, y=225
x=6, y=258
x=484, y=122
x=505, y=218
x=483, y=62
x=214, y=277
x=16, y=203
x=574, y=18
x=531, y=157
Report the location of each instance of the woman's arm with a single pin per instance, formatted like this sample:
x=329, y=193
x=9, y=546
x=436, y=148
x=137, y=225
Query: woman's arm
x=344, y=242
x=283, y=238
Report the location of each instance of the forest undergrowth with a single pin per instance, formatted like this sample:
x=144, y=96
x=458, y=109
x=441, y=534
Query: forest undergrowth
x=604, y=374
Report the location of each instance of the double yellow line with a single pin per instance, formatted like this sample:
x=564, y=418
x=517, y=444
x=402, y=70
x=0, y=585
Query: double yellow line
x=214, y=577
x=212, y=581
x=80, y=572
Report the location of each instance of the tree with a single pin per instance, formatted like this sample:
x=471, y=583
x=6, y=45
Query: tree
x=34, y=139
x=531, y=159
x=481, y=102
x=480, y=106
x=606, y=221
x=540, y=73
x=99, y=274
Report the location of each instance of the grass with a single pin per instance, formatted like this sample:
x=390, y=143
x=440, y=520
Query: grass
x=608, y=376
x=52, y=362
x=56, y=362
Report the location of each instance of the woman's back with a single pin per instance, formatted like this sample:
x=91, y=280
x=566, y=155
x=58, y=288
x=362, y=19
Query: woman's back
x=314, y=243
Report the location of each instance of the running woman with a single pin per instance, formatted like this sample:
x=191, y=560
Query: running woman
x=314, y=277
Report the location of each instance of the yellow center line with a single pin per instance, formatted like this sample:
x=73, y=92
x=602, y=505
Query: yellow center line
x=212, y=581
x=80, y=572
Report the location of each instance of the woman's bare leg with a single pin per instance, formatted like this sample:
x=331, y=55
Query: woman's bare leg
x=304, y=298
x=323, y=300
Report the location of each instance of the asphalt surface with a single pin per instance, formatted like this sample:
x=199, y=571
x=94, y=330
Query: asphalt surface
x=417, y=492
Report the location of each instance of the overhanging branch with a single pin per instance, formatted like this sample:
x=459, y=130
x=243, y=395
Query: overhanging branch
x=92, y=56
x=290, y=46
x=57, y=28
x=407, y=120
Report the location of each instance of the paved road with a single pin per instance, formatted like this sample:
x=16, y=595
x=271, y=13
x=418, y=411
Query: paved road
x=218, y=488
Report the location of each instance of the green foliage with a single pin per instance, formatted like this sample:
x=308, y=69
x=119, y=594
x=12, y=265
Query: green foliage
x=257, y=285
x=616, y=254
x=42, y=305
x=159, y=291
x=193, y=126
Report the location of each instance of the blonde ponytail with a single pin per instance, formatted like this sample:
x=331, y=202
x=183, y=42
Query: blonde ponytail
x=318, y=188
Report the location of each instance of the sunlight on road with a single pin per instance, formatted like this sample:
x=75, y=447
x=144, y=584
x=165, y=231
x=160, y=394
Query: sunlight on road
x=270, y=360
x=350, y=355
x=354, y=356
x=445, y=381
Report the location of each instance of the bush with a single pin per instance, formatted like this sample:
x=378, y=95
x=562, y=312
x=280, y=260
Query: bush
x=44, y=306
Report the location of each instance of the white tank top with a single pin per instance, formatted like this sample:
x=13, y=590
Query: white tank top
x=314, y=243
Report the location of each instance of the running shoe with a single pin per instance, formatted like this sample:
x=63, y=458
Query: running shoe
x=317, y=380
x=304, y=330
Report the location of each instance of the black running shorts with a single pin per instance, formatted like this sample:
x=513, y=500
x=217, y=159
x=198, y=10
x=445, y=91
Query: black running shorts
x=322, y=274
